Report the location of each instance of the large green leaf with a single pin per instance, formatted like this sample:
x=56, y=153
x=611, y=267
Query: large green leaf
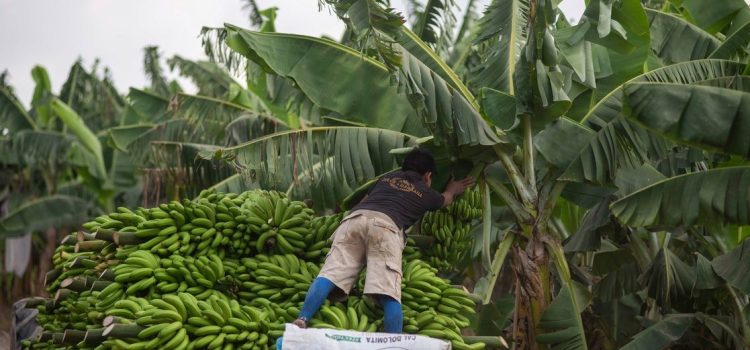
x=373, y=24
x=707, y=15
x=138, y=139
x=210, y=79
x=12, y=114
x=212, y=115
x=314, y=159
x=149, y=106
x=588, y=237
x=435, y=24
x=586, y=155
x=561, y=325
x=333, y=76
x=499, y=107
x=619, y=274
x=662, y=333
x=92, y=95
x=122, y=136
x=447, y=114
x=411, y=42
x=608, y=108
x=44, y=213
x=85, y=136
x=717, y=195
x=183, y=164
x=339, y=79
x=737, y=43
x=39, y=148
x=668, y=279
x=706, y=277
x=155, y=74
x=674, y=39
x=708, y=117
x=734, y=266
x=607, y=142
x=619, y=33
x=501, y=36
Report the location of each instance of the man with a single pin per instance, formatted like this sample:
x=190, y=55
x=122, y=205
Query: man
x=373, y=234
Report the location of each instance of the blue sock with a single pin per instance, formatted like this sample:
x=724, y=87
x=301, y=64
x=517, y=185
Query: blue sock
x=316, y=295
x=394, y=317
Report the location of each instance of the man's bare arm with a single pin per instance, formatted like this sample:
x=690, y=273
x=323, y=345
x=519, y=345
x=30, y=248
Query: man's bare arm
x=455, y=189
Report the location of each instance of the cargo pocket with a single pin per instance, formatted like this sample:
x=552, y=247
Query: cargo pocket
x=394, y=269
x=390, y=238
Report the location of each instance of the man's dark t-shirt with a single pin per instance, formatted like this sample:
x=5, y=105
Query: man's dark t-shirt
x=403, y=196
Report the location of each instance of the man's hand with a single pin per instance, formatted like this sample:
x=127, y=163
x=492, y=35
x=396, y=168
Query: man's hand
x=456, y=188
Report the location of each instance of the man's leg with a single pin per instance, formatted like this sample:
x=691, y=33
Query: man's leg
x=316, y=295
x=341, y=268
x=394, y=317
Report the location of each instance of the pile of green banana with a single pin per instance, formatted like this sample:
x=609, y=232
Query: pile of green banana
x=451, y=229
x=424, y=293
x=175, y=277
x=281, y=225
x=321, y=230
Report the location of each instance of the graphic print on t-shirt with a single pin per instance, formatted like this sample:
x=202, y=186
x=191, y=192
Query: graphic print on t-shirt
x=402, y=185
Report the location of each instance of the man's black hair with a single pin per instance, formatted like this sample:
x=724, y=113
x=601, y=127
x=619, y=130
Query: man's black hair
x=419, y=160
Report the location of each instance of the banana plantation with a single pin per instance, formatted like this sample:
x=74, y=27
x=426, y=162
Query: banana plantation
x=611, y=208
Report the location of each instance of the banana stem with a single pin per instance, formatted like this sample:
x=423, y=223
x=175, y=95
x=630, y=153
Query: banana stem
x=528, y=151
x=549, y=201
x=486, y=223
x=740, y=314
x=497, y=264
x=515, y=177
x=491, y=341
x=521, y=213
x=72, y=336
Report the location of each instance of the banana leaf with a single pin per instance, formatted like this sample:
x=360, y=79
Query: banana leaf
x=703, y=116
x=708, y=197
x=668, y=330
x=84, y=135
x=43, y=213
x=668, y=279
x=606, y=142
x=12, y=114
x=561, y=326
x=733, y=266
x=313, y=160
x=674, y=39
x=501, y=36
x=735, y=44
x=339, y=79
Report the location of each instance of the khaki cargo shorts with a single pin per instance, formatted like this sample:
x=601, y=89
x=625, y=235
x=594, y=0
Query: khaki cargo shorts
x=370, y=238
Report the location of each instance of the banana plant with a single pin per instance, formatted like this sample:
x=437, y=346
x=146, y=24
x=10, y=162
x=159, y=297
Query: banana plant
x=566, y=112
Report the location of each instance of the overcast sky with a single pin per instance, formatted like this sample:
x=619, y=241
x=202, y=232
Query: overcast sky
x=54, y=33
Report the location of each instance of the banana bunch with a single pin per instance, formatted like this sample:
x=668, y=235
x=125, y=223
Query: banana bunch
x=277, y=278
x=341, y=316
x=279, y=223
x=451, y=228
x=434, y=307
x=411, y=251
x=436, y=325
x=137, y=272
x=124, y=220
x=321, y=230
x=74, y=312
x=73, y=260
x=468, y=206
x=198, y=276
